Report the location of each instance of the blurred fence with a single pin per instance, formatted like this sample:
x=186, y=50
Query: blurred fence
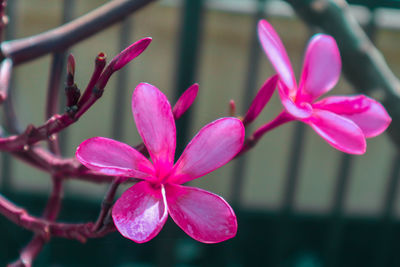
x=298, y=202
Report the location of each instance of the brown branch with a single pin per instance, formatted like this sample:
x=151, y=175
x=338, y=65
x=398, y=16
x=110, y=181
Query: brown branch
x=57, y=122
x=61, y=38
x=30, y=252
x=34, y=134
x=78, y=231
x=65, y=167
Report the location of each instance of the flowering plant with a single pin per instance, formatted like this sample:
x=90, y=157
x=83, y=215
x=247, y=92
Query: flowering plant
x=141, y=211
x=343, y=121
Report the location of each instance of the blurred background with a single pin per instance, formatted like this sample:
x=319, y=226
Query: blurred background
x=299, y=202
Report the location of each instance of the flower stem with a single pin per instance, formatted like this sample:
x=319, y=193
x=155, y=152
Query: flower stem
x=99, y=65
x=251, y=141
x=107, y=203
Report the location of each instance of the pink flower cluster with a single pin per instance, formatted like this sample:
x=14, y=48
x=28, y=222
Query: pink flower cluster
x=140, y=213
x=343, y=121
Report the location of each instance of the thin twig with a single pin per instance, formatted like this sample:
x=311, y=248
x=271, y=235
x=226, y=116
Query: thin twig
x=107, y=203
x=65, y=167
x=55, y=123
x=253, y=139
x=30, y=252
x=78, y=231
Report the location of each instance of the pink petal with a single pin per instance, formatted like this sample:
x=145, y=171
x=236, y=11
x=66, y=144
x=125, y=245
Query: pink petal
x=214, y=146
x=204, y=216
x=156, y=125
x=338, y=131
x=366, y=112
x=262, y=98
x=321, y=68
x=129, y=53
x=140, y=213
x=111, y=157
x=276, y=53
x=297, y=110
x=185, y=101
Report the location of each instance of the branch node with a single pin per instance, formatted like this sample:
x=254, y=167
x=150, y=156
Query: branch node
x=97, y=92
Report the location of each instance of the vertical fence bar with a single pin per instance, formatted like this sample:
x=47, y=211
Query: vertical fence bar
x=8, y=107
x=119, y=105
x=297, y=145
x=57, y=67
x=67, y=15
x=387, y=216
x=335, y=234
x=190, y=37
x=54, y=100
x=286, y=214
x=188, y=50
x=249, y=89
x=337, y=221
x=248, y=93
x=56, y=73
x=285, y=227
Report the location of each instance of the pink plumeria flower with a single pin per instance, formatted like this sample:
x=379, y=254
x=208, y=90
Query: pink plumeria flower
x=343, y=121
x=141, y=211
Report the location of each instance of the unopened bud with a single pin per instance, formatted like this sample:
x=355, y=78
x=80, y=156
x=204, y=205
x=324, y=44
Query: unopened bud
x=262, y=98
x=73, y=94
x=101, y=60
x=70, y=70
x=129, y=53
x=232, y=108
x=122, y=59
x=185, y=101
